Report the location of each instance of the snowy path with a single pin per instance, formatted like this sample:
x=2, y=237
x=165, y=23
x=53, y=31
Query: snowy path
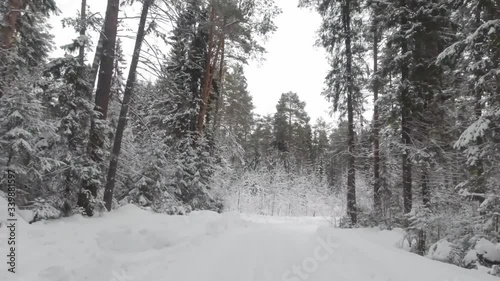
x=286, y=252
x=135, y=245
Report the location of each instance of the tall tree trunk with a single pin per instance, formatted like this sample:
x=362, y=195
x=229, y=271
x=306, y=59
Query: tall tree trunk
x=496, y=57
x=376, y=140
x=351, y=172
x=426, y=200
x=198, y=50
x=207, y=77
x=96, y=62
x=405, y=126
x=107, y=59
x=122, y=122
x=9, y=27
x=207, y=106
x=426, y=192
x=83, y=31
x=8, y=30
x=477, y=169
x=97, y=136
x=220, y=96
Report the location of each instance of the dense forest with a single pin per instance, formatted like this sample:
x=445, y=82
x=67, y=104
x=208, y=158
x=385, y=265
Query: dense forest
x=87, y=132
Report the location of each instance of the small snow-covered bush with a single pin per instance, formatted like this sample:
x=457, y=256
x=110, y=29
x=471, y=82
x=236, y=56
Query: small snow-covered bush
x=488, y=253
x=44, y=210
x=445, y=251
x=483, y=253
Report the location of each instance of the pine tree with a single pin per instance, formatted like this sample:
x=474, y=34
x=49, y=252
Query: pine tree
x=236, y=25
x=292, y=131
x=191, y=155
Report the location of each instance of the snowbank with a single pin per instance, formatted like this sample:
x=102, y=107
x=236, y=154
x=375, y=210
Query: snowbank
x=367, y=254
x=110, y=247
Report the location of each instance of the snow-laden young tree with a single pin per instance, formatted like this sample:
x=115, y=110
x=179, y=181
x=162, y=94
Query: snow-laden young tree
x=69, y=99
x=473, y=66
x=476, y=54
x=179, y=106
x=27, y=134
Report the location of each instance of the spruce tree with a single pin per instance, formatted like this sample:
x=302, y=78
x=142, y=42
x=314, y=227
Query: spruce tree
x=26, y=132
x=340, y=34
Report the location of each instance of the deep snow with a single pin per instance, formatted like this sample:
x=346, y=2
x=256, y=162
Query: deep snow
x=131, y=244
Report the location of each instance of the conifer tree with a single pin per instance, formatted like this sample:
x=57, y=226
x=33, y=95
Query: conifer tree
x=26, y=132
x=340, y=34
x=292, y=132
x=97, y=136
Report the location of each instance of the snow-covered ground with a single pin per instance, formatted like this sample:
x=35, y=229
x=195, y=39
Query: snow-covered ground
x=131, y=244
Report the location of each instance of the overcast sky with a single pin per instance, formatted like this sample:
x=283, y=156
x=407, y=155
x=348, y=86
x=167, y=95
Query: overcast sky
x=292, y=63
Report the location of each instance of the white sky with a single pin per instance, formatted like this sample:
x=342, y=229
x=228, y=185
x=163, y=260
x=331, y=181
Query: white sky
x=292, y=63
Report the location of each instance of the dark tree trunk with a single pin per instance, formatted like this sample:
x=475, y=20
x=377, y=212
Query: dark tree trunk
x=207, y=76
x=220, y=93
x=496, y=55
x=376, y=140
x=9, y=27
x=426, y=193
x=477, y=168
x=122, y=122
x=198, y=51
x=426, y=200
x=107, y=59
x=83, y=31
x=421, y=242
x=97, y=136
x=351, y=173
x=405, y=126
x=406, y=163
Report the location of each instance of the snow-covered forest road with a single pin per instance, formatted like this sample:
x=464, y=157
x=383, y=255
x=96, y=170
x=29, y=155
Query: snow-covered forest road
x=131, y=244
